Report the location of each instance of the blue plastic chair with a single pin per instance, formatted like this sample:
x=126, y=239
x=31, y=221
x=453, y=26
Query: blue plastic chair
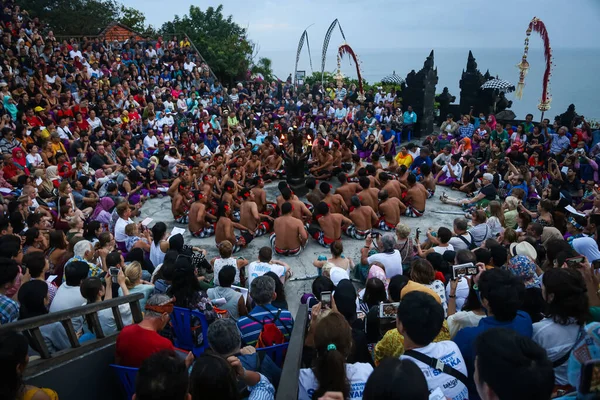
x=276, y=353
x=181, y=319
x=127, y=377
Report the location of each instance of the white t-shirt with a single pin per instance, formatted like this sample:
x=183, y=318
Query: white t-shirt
x=449, y=353
x=441, y=250
x=391, y=261
x=34, y=160
x=462, y=319
x=68, y=297
x=462, y=292
x=222, y=262
x=258, y=268
x=205, y=152
x=457, y=169
x=120, y=235
x=150, y=142
x=357, y=375
x=458, y=243
x=557, y=340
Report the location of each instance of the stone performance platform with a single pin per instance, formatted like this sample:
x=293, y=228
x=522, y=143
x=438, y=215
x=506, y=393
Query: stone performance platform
x=436, y=214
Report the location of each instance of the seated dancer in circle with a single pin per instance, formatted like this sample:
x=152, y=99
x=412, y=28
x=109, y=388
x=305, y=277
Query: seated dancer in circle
x=180, y=205
x=250, y=217
x=200, y=221
x=363, y=219
x=331, y=225
x=224, y=229
x=415, y=198
x=390, y=209
x=289, y=235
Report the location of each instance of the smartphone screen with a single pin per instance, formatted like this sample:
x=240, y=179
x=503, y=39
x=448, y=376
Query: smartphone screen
x=460, y=270
x=326, y=299
x=388, y=310
x=574, y=262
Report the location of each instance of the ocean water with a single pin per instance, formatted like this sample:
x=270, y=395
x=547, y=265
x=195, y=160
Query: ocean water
x=575, y=73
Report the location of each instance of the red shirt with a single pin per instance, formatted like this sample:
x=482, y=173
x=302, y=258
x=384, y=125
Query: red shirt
x=135, y=344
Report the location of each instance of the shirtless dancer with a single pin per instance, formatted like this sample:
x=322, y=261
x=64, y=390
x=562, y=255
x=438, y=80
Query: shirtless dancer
x=289, y=235
x=198, y=224
x=347, y=189
x=331, y=225
x=314, y=196
x=273, y=166
x=250, y=217
x=299, y=209
x=180, y=205
x=224, y=229
x=264, y=207
x=416, y=197
x=252, y=166
x=428, y=180
x=390, y=209
x=228, y=196
x=335, y=202
x=363, y=219
x=368, y=195
x=393, y=187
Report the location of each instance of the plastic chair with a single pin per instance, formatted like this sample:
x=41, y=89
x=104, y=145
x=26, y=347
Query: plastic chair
x=127, y=377
x=181, y=319
x=276, y=353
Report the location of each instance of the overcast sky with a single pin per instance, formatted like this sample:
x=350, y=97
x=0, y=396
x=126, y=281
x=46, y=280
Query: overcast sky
x=389, y=24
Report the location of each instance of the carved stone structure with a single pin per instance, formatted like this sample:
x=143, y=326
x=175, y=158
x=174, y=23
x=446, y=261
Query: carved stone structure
x=419, y=92
x=445, y=99
x=567, y=117
x=485, y=101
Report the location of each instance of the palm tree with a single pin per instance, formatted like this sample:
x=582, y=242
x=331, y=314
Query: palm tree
x=263, y=67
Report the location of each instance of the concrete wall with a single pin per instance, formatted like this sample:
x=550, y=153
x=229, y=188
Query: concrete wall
x=86, y=377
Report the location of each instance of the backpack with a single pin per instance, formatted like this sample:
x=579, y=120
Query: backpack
x=471, y=245
x=270, y=334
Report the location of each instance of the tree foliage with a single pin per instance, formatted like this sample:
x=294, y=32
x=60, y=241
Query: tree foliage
x=219, y=39
x=75, y=17
x=84, y=17
x=133, y=18
x=263, y=67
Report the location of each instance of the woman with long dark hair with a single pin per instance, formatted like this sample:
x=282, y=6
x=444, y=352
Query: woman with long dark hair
x=567, y=311
x=159, y=245
x=186, y=289
x=330, y=372
x=13, y=361
x=33, y=296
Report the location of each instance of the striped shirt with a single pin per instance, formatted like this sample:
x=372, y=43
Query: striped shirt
x=251, y=329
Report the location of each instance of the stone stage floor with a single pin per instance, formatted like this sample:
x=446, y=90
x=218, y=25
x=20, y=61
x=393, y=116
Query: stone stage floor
x=437, y=214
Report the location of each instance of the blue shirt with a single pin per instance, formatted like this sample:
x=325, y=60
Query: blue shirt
x=387, y=135
x=559, y=143
x=420, y=161
x=211, y=144
x=144, y=163
x=251, y=329
x=521, y=186
x=465, y=340
x=409, y=117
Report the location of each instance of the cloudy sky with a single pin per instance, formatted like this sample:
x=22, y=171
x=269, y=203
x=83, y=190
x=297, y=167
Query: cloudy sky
x=390, y=24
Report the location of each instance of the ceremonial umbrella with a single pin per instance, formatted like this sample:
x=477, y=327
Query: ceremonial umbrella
x=393, y=79
x=499, y=84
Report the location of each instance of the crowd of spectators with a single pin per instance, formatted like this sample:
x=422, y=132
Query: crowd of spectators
x=91, y=129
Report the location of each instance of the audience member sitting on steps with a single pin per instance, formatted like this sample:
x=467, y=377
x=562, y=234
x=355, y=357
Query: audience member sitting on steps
x=137, y=342
x=262, y=292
